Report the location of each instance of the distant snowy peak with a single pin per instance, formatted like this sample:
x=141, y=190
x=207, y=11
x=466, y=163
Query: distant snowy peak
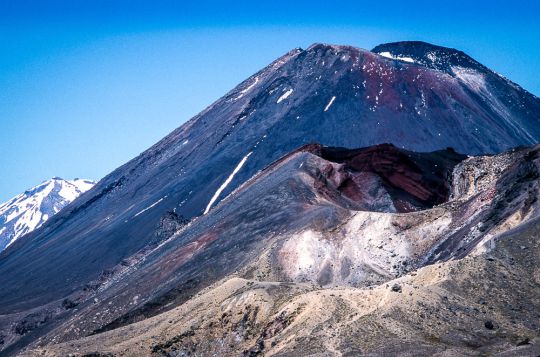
x=29, y=210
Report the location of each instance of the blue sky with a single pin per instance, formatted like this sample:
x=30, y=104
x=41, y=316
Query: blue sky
x=87, y=85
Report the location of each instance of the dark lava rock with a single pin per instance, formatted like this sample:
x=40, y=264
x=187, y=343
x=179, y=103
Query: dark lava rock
x=69, y=304
x=31, y=322
x=489, y=325
x=169, y=223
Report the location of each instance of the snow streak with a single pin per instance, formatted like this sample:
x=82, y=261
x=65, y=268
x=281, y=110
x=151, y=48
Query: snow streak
x=285, y=95
x=226, y=183
x=152, y=205
x=330, y=103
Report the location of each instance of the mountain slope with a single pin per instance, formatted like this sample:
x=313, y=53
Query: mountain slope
x=511, y=106
x=293, y=229
x=338, y=96
x=479, y=305
x=29, y=210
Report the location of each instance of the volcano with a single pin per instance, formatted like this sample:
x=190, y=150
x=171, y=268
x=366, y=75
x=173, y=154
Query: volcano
x=332, y=168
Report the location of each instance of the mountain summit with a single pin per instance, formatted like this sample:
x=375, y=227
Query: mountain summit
x=426, y=54
x=29, y=210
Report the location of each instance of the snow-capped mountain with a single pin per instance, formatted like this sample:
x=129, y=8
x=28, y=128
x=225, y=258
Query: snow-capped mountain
x=29, y=210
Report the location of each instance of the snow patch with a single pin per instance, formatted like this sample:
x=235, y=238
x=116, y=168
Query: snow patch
x=149, y=207
x=69, y=190
x=432, y=57
x=227, y=181
x=330, y=103
x=397, y=57
x=471, y=78
x=285, y=95
x=247, y=89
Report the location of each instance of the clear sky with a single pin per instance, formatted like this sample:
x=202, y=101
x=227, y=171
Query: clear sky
x=87, y=85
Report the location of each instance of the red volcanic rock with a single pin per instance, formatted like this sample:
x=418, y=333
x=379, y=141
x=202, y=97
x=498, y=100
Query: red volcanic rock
x=413, y=180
